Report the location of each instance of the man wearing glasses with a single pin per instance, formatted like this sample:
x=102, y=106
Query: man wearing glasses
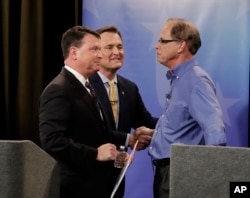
x=192, y=114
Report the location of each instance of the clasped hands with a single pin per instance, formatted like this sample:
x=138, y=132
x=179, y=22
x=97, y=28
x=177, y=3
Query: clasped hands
x=143, y=135
x=108, y=151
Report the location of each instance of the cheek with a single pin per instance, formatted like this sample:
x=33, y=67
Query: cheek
x=169, y=53
x=163, y=54
x=105, y=56
x=122, y=57
x=122, y=54
x=105, y=60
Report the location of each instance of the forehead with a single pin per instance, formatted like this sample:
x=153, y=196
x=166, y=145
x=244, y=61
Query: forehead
x=166, y=30
x=110, y=37
x=90, y=38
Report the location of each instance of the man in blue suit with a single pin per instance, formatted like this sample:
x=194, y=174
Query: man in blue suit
x=132, y=112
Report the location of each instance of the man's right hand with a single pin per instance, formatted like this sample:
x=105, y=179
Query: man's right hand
x=106, y=152
x=143, y=135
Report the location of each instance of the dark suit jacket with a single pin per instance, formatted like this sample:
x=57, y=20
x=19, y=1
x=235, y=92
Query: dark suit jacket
x=132, y=111
x=71, y=129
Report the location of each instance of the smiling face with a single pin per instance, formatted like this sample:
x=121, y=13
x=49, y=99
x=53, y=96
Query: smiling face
x=112, y=52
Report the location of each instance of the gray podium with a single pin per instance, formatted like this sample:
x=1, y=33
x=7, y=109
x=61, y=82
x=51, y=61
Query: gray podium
x=26, y=171
x=206, y=171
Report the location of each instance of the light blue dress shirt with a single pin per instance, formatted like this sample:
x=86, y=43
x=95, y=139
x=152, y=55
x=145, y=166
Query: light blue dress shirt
x=192, y=114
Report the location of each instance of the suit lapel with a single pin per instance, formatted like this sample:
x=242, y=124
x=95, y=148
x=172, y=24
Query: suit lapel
x=81, y=90
x=102, y=97
x=122, y=99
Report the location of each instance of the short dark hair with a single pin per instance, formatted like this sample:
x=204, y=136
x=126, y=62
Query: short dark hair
x=109, y=28
x=73, y=37
x=183, y=29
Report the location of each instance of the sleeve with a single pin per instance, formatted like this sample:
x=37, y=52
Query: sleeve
x=206, y=110
x=55, y=113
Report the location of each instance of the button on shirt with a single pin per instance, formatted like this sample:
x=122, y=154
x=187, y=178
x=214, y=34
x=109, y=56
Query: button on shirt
x=192, y=114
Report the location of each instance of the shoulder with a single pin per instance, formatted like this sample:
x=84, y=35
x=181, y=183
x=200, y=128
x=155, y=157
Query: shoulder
x=125, y=81
x=63, y=84
x=197, y=74
x=201, y=81
x=94, y=77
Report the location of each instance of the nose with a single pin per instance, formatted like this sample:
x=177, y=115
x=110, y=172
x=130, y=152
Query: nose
x=157, y=45
x=99, y=54
x=116, y=50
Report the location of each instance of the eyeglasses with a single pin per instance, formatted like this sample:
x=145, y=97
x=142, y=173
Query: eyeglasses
x=162, y=41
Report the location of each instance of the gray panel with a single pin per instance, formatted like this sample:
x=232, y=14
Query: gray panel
x=27, y=171
x=206, y=171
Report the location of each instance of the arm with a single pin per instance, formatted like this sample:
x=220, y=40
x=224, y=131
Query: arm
x=206, y=110
x=68, y=132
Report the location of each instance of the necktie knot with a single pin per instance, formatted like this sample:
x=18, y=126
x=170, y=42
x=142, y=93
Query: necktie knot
x=87, y=84
x=92, y=91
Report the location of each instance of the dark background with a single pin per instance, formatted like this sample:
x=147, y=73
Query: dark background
x=30, y=56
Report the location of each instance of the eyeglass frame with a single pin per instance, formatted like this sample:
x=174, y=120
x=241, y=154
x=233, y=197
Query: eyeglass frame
x=165, y=41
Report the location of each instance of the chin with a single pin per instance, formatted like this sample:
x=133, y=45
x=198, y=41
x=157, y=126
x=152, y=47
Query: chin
x=117, y=66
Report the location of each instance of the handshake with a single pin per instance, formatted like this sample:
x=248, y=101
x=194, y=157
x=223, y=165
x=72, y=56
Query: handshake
x=108, y=151
x=143, y=135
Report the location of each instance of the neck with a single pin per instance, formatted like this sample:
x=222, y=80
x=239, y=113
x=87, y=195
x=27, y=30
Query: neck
x=179, y=61
x=110, y=74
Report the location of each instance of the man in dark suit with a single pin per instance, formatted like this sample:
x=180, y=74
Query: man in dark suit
x=132, y=112
x=73, y=128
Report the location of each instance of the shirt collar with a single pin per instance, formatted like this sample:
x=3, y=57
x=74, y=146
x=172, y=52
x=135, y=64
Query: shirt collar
x=179, y=70
x=105, y=79
x=79, y=76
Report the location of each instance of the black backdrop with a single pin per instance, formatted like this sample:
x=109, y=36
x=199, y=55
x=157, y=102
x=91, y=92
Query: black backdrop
x=58, y=17
x=30, y=56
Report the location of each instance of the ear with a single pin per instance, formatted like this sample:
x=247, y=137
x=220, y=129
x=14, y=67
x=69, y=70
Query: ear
x=73, y=52
x=182, y=46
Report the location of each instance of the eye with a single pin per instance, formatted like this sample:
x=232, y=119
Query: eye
x=94, y=49
x=108, y=47
x=120, y=47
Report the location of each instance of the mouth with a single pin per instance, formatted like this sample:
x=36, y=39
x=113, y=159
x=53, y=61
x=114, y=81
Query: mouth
x=115, y=59
x=98, y=63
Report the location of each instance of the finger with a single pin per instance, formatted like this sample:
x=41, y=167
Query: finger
x=143, y=138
